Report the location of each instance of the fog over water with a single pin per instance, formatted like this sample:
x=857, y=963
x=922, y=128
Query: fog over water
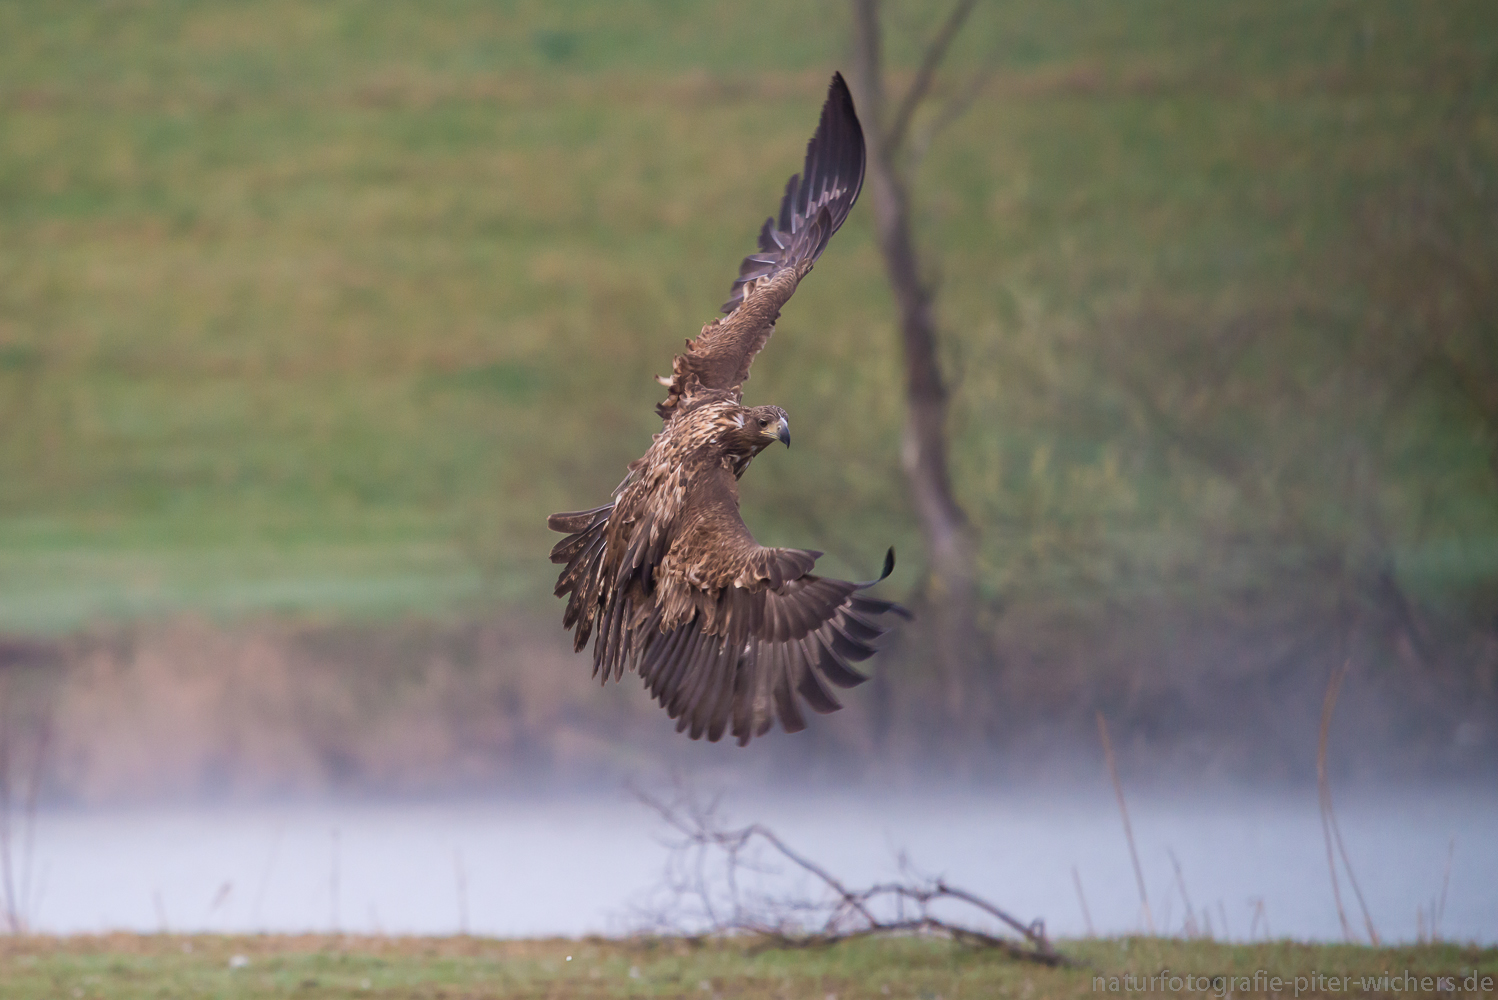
x=578, y=864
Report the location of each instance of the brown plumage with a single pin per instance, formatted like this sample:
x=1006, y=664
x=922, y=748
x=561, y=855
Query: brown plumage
x=667, y=579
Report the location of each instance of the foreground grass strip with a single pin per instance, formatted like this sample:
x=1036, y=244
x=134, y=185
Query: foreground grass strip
x=122, y=966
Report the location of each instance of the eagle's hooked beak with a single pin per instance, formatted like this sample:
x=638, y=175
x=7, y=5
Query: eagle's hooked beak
x=783, y=432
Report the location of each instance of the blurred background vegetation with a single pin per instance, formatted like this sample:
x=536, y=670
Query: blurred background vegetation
x=310, y=313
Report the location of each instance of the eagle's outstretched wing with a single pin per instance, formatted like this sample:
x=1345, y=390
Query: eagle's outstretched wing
x=816, y=202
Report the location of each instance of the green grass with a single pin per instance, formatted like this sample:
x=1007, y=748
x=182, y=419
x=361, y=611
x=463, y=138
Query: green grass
x=321, y=309
x=124, y=967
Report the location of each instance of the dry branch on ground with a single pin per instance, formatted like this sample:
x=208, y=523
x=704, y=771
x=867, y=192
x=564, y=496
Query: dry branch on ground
x=716, y=884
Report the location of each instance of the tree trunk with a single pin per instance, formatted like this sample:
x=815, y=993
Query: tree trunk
x=951, y=605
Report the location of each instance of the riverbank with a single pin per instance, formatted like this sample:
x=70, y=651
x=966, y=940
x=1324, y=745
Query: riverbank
x=123, y=966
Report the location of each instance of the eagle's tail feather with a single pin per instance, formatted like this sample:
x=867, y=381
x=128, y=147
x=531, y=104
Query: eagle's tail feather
x=580, y=520
x=583, y=553
x=768, y=652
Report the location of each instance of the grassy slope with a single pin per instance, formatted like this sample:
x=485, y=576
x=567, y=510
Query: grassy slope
x=324, y=308
x=123, y=967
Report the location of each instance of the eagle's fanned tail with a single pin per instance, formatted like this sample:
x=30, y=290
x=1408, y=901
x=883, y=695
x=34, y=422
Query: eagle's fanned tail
x=768, y=647
x=742, y=659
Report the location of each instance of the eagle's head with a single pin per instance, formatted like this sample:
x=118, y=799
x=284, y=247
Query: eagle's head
x=745, y=431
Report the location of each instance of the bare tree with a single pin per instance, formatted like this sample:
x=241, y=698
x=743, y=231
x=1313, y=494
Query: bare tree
x=894, y=148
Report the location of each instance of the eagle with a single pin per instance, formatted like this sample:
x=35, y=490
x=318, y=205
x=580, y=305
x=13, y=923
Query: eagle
x=666, y=578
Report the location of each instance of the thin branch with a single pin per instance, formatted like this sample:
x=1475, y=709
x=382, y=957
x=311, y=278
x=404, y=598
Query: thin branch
x=963, y=935
x=1034, y=931
x=954, y=108
x=935, y=53
x=796, y=922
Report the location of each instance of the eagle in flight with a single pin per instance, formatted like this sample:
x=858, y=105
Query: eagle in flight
x=666, y=578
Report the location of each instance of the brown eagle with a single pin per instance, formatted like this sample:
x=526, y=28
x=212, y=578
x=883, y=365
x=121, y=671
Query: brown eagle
x=667, y=578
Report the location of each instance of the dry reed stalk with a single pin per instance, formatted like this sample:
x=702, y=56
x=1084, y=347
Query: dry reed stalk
x=1191, y=926
x=17, y=898
x=1081, y=898
x=1330, y=830
x=333, y=888
x=1260, y=913
x=219, y=899
x=1323, y=795
x=265, y=874
x=1102, y=728
x=461, y=875
x=7, y=873
x=33, y=792
x=1438, y=912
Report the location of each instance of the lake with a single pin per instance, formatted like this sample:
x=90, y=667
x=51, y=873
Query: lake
x=1252, y=865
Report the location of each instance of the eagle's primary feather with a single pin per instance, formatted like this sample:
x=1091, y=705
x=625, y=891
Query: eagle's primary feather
x=667, y=580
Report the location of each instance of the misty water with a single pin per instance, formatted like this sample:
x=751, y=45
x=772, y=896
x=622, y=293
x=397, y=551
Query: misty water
x=572, y=865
